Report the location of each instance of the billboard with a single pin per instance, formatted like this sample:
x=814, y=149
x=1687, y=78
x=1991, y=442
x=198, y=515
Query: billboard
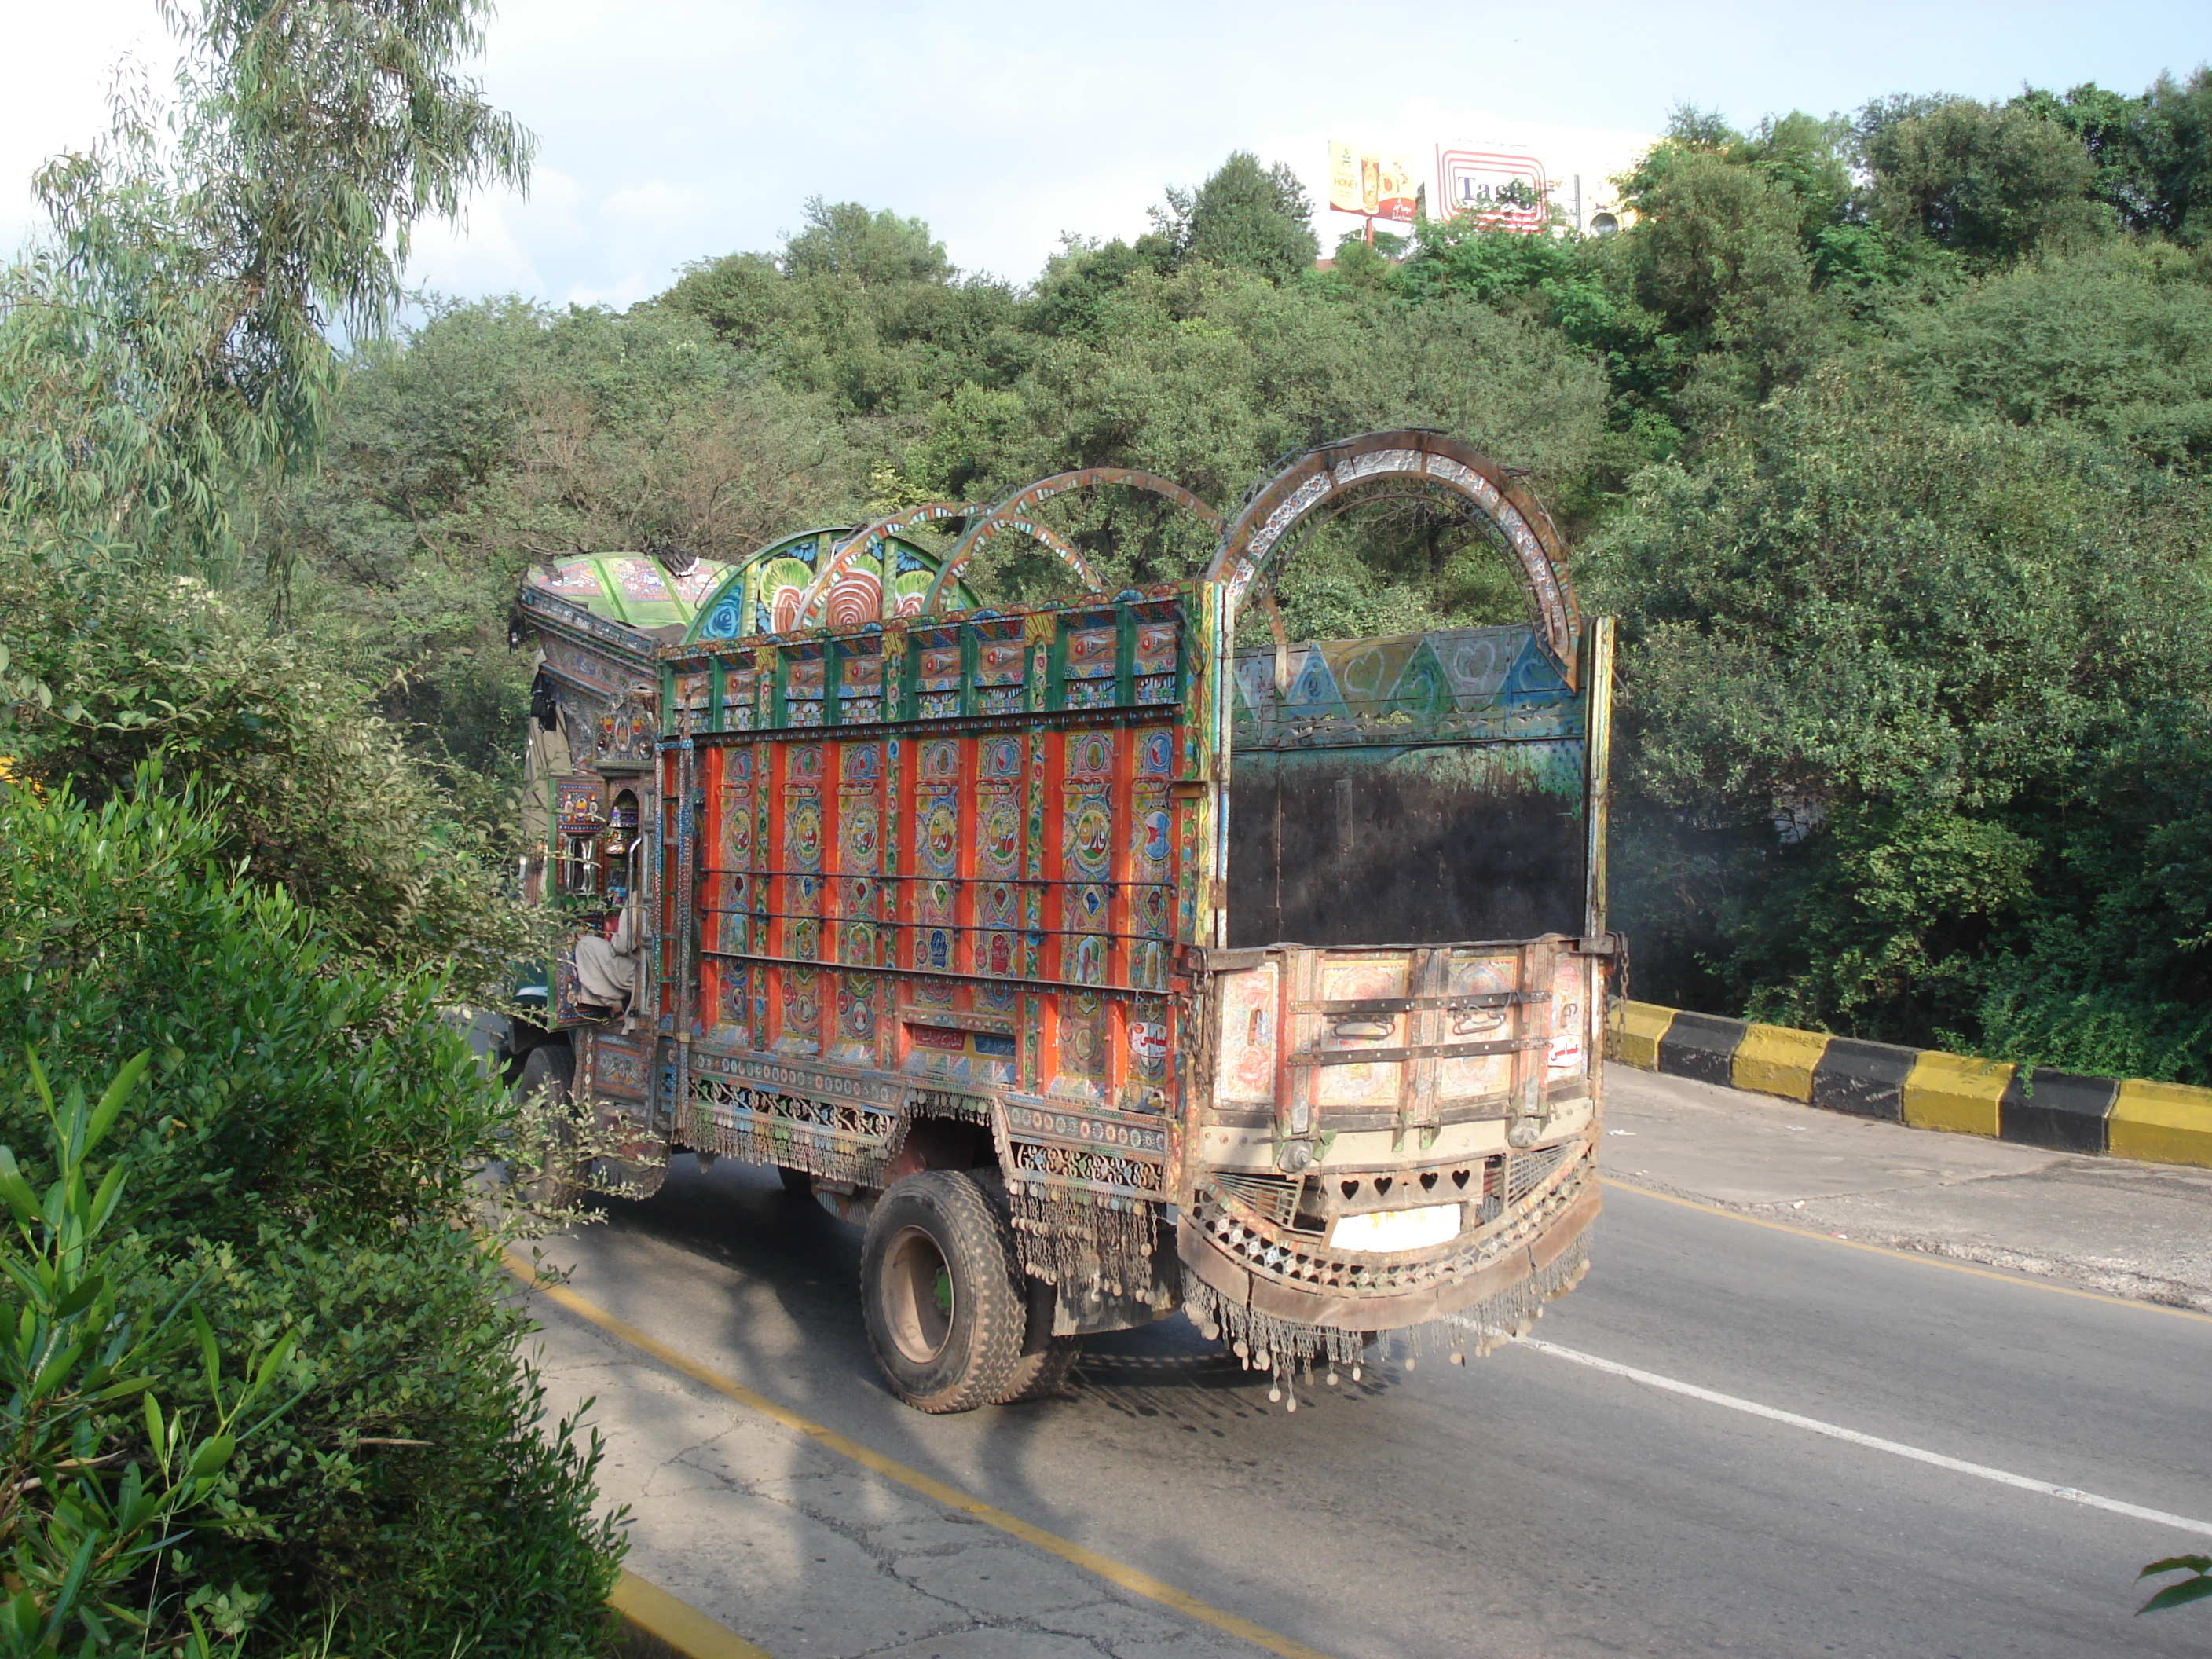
x=1501, y=188
x=1373, y=184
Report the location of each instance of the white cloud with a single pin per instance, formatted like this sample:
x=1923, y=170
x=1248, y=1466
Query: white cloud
x=61, y=67
x=484, y=254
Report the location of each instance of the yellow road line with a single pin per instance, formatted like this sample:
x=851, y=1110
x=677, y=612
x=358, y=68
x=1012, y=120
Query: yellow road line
x=686, y=1629
x=1920, y=1258
x=1114, y=1573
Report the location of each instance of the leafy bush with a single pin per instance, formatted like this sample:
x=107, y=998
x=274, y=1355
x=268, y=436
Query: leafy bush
x=90, y=1511
x=302, y=1160
x=323, y=800
x=1927, y=691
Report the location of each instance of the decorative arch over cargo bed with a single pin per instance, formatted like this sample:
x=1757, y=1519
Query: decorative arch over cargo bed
x=633, y=589
x=1340, y=475
x=1014, y=512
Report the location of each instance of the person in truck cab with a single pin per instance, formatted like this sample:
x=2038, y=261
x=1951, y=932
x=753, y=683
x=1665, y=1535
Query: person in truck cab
x=606, y=969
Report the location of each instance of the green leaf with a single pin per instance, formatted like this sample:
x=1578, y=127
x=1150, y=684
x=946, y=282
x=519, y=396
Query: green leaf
x=274, y=1360
x=87, y=1291
x=109, y=1195
x=212, y=1453
x=21, y=1201
x=211, y=1357
x=2176, y=1595
x=126, y=1079
x=59, y=1367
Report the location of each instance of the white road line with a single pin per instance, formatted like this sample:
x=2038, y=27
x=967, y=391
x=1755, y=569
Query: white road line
x=1836, y=1431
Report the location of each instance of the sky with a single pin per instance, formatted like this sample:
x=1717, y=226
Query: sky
x=670, y=130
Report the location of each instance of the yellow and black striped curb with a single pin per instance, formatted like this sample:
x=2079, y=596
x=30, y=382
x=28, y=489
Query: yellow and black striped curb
x=2037, y=1106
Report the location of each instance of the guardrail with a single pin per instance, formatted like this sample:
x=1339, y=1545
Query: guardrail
x=2036, y=1106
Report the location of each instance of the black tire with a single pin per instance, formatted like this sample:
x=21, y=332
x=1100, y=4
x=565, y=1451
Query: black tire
x=523, y=1037
x=797, y=1182
x=549, y=1067
x=1046, y=1359
x=941, y=1292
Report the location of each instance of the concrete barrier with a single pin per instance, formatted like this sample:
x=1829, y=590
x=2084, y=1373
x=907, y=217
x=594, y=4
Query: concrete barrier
x=1955, y=1092
x=2037, y=1106
x=2162, y=1123
x=1702, y=1046
x=1866, y=1079
x=1635, y=1032
x=1773, y=1060
x=2058, y=1109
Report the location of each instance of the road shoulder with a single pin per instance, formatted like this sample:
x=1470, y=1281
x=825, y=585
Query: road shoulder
x=800, y=1551
x=2142, y=1231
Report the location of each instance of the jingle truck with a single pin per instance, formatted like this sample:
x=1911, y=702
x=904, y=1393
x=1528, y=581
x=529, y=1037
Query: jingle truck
x=1105, y=956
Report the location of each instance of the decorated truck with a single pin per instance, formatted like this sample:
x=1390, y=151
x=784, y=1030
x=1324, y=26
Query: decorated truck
x=1100, y=957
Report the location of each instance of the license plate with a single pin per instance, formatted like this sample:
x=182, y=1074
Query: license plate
x=1395, y=1229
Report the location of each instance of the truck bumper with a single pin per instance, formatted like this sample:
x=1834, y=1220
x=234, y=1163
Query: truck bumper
x=1297, y=1279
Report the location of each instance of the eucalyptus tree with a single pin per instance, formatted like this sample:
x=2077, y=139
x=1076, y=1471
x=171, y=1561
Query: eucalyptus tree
x=175, y=331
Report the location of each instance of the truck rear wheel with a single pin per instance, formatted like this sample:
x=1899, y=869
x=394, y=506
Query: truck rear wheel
x=548, y=1069
x=942, y=1294
x=1046, y=1359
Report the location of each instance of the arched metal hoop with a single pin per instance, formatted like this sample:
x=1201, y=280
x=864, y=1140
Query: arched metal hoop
x=1310, y=483
x=867, y=536
x=957, y=562
x=1014, y=514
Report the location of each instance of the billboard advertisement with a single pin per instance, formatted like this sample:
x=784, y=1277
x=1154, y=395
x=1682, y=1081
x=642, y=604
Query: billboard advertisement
x=1373, y=184
x=1501, y=188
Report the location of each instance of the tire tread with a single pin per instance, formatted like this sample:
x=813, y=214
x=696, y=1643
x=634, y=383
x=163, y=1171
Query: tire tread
x=999, y=1312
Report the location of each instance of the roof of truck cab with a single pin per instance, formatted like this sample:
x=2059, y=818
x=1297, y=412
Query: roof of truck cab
x=633, y=589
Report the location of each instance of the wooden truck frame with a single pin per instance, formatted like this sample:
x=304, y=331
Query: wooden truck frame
x=1099, y=963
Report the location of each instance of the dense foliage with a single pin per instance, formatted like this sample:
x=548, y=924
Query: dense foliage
x=224, y=859
x=300, y=1154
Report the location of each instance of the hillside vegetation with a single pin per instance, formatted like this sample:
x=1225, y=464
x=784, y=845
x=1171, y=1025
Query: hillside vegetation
x=261, y=1391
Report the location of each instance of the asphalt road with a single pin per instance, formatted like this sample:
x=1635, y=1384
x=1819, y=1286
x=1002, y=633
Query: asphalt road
x=1528, y=1503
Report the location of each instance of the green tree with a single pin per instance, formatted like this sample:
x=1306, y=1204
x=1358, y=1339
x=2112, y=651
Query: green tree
x=1079, y=281
x=322, y=800
x=741, y=296
x=1985, y=182
x=497, y=436
x=172, y=336
x=163, y=357
x=846, y=240
x=1717, y=255
x=2117, y=338
x=2152, y=155
x=1245, y=217
x=1872, y=646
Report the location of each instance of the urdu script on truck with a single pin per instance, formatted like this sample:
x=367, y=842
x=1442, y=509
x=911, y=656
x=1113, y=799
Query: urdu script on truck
x=1100, y=958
